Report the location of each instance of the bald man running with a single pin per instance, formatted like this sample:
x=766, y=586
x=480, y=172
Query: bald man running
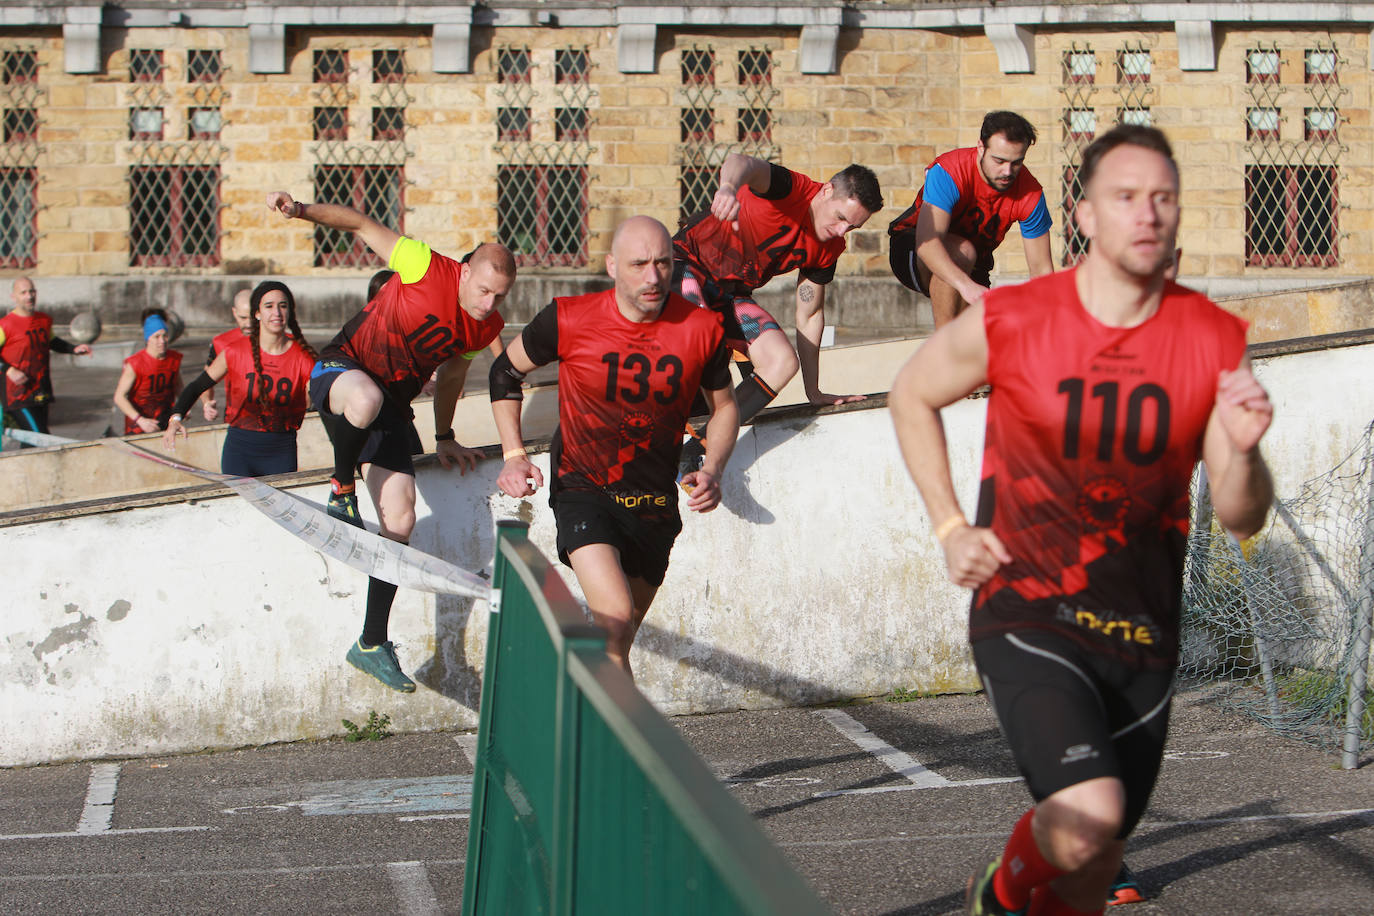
x=26, y=338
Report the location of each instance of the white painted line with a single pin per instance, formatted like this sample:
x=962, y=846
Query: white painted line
x=369, y=868
x=72, y=834
x=468, y=745
x=412, y=886
x=899, y=762
x=947, y=784
x=100, y=796
x=436, y=817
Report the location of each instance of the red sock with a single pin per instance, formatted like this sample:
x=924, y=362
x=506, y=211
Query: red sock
x=1047, y=903
x=1023, y=867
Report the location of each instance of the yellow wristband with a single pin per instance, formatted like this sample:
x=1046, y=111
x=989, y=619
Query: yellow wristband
x=513, y=453
x=943, y=530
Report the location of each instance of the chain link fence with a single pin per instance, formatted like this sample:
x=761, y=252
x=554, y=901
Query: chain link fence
x=20, y=98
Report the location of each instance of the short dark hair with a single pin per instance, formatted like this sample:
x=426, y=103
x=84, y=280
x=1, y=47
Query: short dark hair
x=1010, y=125
x=859, y=183
x=1151, y=138
x=374, y=286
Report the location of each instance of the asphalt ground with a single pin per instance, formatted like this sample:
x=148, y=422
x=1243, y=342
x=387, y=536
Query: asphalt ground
x=1242, y=822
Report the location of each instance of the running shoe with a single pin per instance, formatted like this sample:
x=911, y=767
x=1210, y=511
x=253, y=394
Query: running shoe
x=982, y=899
x=381, y=663
x=1125, y=889
x=343, y=505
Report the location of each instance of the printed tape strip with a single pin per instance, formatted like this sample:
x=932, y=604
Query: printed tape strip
x=37, y=440
x=390, y=561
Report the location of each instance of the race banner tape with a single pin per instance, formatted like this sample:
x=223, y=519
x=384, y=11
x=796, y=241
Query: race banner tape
x=390, y=561
x=37, y=440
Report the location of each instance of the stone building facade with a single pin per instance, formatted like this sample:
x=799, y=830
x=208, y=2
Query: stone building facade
x=141, y=136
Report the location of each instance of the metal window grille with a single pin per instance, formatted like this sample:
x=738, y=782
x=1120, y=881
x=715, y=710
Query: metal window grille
x=376, y=190
x=570, y=125
x=21, y=125
x=696, y=187
x=203, y=66
x=754, y=125
x=755, y=67
x=18, y=217
x=698, y=125
x=541, y=187
x=698, y=67
x=1292, y=187
x=203, y=123
x=1133, y=89
x=1133, y=65
x=330, y=66
x=388, y=66
x=513, y=125
x=388, y=124
x=145, y=124
x=20, y=66
x=1138, y=116
x=330, y=123
x=174, y=216
x=145, y=65
x=1078, y=83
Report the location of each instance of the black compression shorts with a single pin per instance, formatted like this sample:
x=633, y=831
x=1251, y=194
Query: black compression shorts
x=393, y=440
x=1071, y=715
x=593, y=517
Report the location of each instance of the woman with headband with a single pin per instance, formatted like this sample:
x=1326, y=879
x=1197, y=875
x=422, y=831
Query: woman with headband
x=151, y=379
x=266, y=374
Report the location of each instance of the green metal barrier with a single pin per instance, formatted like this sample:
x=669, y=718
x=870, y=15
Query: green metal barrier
x=585, y=799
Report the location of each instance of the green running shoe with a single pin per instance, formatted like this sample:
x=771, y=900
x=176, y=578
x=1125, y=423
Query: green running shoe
x=343, y=505
x=381, y=663
x=982, y=899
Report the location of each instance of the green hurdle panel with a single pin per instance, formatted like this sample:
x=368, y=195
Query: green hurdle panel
x=585, y=799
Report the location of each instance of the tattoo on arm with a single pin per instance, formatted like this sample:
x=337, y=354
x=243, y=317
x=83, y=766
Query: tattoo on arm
x=806, y=292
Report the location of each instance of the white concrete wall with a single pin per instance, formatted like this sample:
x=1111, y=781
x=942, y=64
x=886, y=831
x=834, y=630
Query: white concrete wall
x=184, y=626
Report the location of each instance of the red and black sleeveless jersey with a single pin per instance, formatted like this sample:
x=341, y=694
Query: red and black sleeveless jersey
x=221, y=342
x=775, y=235
x=405, y=333
x=982, y=214
x=625, y=390
x=284, y=377
x=1092, y=436
x=154, y=389
x=24, y=344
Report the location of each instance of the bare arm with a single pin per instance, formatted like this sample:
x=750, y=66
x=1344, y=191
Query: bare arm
x=519, y=477
x=736, y=172
x=1038, y=257
x=950, y=365
x=448, y=388
x=810, y=327
x=1241, y=487
x=932, y=228
x=336, y=216
x=721, y=432
x=121, y=396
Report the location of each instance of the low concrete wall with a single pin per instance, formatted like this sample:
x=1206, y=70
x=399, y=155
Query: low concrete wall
x=193, y=624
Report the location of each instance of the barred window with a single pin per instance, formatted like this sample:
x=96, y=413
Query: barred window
x=1071, y=192
x=145, y=124
x=698, y=125
x=754, y=125
x=755, y=67
x=513, y=125
x=18, y=217
x=1080, y=124
x=1319, y=66
x=1080, y=67
x=1262, y=65
x=1133, y=66
x=203, y=123
x=699, y=67
x=331, y=123
x=696, y=188
x=145, y=65
x=513, y=65
x=388, y=66
x=330, y=66
x=1319, y=123
x=570, y=125
x=570, y=65
x=21, y=125
x=1136, y=116
x=1261, y=124
x=388, y=124
x=174, y=216
x=376, y=190
x=203, y=66
x=1291, y=216
x=541, y=213
x=20, y=67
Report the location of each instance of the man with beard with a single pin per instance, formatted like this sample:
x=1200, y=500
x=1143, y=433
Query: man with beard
x=942, y=245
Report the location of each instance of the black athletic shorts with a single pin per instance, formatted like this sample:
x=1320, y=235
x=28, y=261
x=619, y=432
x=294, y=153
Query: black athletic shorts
x=1071, y=715
x=901, y=257
x=255, y=453
x=393, y=440
x=594, y=517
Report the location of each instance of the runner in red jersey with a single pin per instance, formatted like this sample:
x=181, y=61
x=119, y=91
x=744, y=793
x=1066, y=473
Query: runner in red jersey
x=942, y=245
x=151, y=380
x=1108, y=383
x=266, y=377
x=242, y=311
x=766, y=221
x=436, y=314
x=26, y=338
x=631, y=360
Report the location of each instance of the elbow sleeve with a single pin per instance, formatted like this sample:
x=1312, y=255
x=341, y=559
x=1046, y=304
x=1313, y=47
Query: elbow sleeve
x=505, y=381
x=202, y=384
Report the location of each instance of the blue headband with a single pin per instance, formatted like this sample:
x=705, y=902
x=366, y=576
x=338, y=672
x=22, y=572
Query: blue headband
x=152, y=324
